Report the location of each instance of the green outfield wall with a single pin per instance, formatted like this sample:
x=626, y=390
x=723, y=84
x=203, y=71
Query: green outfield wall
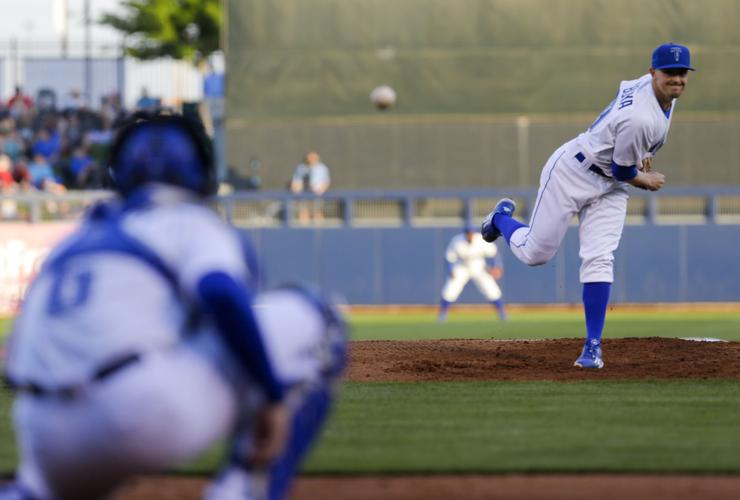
x=300, y=73
x=463, y=151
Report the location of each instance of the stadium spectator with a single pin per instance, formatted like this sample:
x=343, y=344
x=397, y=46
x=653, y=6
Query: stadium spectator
x=47, y=144
x=6, y=172
x=21, y=174
x=80, y=161
x=10, y=143
x=72, y=129
x=8, y=186
x=42, y=175
x=310, y=176
x=147, y=102
x=73, y=101
x=19, y=104
x=85, y=170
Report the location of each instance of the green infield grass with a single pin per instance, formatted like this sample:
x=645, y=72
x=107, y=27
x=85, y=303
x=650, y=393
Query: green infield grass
x=542, y=324
x=497, y=427
x=688, y=426
x=613, y=426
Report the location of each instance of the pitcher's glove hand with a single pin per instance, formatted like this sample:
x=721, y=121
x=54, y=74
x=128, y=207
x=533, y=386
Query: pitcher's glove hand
x=647, y=164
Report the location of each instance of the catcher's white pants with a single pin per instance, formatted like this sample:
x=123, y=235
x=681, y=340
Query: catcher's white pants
x=166, y=409
x=568, y=188
x=169, y=408
x=461, y=274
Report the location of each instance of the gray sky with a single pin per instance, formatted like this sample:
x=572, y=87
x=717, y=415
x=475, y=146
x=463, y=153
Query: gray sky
x=36, y=19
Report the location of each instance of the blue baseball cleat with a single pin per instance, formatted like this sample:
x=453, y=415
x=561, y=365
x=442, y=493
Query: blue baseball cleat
x=489, y=231
x=591, y=355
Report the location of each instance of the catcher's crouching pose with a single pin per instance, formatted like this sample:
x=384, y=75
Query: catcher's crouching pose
x=139, y=345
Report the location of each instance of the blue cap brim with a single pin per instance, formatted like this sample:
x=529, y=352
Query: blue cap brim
x=675, y=66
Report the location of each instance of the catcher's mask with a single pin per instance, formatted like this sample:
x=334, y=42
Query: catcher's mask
x=170, y=149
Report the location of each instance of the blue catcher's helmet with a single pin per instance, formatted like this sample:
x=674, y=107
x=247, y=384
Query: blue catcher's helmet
x=170, y=149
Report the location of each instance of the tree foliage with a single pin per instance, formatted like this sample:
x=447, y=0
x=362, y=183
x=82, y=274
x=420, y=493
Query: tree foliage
x=182, y=29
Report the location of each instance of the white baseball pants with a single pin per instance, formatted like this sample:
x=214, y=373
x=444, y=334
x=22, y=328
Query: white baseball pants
x=454, y=285
x=568, y=188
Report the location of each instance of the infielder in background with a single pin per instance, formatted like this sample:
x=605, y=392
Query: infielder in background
x=588, y=177
x=139, y=345
x=468, y=257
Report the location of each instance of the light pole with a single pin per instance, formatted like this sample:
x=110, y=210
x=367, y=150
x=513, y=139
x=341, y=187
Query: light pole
x=88, y=56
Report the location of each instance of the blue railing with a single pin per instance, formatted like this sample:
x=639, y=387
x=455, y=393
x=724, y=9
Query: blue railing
x=398, y=207
x=715, y=204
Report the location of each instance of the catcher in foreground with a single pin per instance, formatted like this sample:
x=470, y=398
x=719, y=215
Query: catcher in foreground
x=141, y=343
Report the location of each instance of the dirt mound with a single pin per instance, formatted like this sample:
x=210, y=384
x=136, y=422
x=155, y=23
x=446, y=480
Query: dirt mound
x=630, y=358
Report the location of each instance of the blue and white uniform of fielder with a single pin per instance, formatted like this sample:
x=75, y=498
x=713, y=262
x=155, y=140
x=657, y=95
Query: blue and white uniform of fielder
x=139, y=344
x=588, y=177
x=469, y=257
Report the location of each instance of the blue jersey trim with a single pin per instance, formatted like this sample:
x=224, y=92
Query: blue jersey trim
x=533, y=219
x=667, y=113
x=106, y=235
x=623, y=173
x=230, y=306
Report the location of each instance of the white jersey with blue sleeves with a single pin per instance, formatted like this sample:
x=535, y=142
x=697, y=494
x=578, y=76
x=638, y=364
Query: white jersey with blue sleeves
x=119, y=301
x=471, y=254
x=467, y=261
x=631, y=128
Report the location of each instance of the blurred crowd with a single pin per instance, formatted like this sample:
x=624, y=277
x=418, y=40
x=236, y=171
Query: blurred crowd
x=53, y=144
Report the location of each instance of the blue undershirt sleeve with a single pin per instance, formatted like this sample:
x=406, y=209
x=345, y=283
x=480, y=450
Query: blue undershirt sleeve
x=230, y=304
x=624, y=173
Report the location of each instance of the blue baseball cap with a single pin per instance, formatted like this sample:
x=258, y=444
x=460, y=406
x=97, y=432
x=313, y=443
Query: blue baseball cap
x=672, y=55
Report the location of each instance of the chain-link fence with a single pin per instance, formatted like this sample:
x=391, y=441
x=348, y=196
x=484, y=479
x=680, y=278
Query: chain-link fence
x=54, y=69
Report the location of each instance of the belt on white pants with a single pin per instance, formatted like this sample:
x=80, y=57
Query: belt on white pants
x=593, y=168
x=72, y=391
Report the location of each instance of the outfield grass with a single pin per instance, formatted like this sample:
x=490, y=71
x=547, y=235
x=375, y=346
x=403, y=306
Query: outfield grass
x=4, y=328
x=621, y=426
x=532, y=324
x=539, y=324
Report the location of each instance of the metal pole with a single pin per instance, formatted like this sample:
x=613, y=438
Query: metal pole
x=88, y=59
x=522, y=140
x=121, y=80
x=14, y=57
x=65, y=30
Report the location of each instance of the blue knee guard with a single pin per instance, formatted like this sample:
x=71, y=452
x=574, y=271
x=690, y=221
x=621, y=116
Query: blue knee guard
x=315, y=401
x=307, y=423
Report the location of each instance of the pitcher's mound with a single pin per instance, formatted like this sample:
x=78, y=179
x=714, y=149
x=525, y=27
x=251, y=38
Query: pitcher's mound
x=630, y=358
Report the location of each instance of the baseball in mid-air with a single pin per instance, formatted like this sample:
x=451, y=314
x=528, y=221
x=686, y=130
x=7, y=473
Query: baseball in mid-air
x=383, y=97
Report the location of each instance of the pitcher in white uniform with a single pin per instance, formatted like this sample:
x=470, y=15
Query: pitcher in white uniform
x=469, y=257
x=141, y=344
x=588, y=177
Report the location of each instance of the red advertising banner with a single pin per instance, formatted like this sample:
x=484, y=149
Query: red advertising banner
x=23, y=247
